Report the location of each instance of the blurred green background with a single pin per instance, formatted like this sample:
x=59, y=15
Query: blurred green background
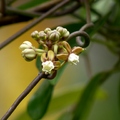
x=16, y=73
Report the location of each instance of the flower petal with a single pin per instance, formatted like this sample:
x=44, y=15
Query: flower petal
x=73, y=58
x=43, y=57
x=77, y=50
x=50, y=55
x=57, y=64
x=62, y=56
x=67, y=46
x=48, y=66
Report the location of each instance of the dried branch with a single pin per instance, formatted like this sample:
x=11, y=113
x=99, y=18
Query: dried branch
x=68, y=10
x=11, y=10
x=87, y=25
x=12, y=19
x=79, y=42
x=45, y=6
x=88, y=16
x=10, y=39
x=23, y=95
x=2, y=7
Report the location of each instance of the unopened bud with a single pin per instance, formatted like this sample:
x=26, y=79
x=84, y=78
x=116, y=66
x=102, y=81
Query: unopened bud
x=35, y=35
x=25, y=45
x=63, y=32
x=42, y=35
x=29, y=54
x=47, y=30
x=54, y=36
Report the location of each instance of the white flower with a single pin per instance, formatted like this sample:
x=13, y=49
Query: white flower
x=48, y=66
x=73, y=58
x=25, y=45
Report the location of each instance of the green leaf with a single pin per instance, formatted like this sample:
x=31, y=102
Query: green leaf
x=38, y=63
x=39, y=102
x=119, y=95
x=88, y=96
x=66, y=116
x=31, y=3
x=22, y=116
x=64, y=99
x=99, y=23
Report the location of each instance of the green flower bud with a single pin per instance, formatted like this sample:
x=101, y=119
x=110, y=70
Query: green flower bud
x=66, y=34
x=29, y=54
x=54, y=36
x=63, y=32
x=25, y=45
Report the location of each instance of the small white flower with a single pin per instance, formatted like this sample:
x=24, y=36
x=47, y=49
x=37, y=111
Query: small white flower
x=48, y=66
x=73, y=58
x=25, y=45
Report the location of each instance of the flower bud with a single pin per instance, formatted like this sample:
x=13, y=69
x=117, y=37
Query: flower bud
x=54, y=36
x=66, y=34
x=47, y=30
x=60, y=29
x=63, y=32
x=42, y=35
x=73, y=58
x=25, y=45
x=48, y=66
x=29, y=54
x=35, y=35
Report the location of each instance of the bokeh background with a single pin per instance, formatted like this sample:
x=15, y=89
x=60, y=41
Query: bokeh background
x=16, y=74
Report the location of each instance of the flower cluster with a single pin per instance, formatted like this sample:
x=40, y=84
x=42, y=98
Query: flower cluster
x=55, y=50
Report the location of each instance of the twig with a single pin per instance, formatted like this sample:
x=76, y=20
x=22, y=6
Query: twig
x=23, y=95
x=6, y=42
x=88, y=16
x=79, y=42
x=2, y=7
x=22, y=12
x=44, y=6
x=12, y=19
x=87, y=25
x=33, y=13
x=85, y=35
x=68, y=10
